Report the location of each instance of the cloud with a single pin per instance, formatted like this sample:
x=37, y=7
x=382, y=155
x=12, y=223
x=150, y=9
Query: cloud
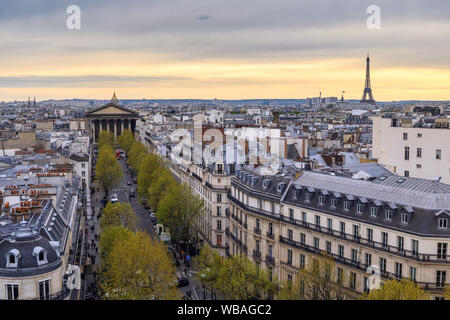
x=102, y=81
x=203, y=17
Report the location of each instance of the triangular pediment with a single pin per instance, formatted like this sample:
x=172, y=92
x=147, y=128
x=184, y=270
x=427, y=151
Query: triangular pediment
x=111, y=109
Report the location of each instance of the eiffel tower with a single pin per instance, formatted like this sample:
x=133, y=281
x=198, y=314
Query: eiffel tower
x=367, y=94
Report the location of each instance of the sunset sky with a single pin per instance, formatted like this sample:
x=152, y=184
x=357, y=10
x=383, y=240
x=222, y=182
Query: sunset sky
x=224, y=49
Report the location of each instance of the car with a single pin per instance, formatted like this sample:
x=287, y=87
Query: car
x=132, y=193
x=129, y=183
x=182, y=282
x=134, y=180
x=113, y=198
x=152, y=215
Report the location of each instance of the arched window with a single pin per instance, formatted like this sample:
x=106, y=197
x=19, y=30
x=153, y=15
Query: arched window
x=12, y=258
x=40, y=254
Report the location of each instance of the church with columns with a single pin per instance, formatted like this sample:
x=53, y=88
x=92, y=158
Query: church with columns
x=111, y=117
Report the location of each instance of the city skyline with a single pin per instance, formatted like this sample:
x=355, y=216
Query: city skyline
x=264, y=50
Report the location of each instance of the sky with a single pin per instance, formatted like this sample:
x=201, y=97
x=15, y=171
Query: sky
x=224, y=49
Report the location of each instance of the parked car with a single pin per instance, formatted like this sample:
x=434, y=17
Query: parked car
x=114, y=198
x=152, y=215
x=129, y=183
x=182, y=282
x=132, y=193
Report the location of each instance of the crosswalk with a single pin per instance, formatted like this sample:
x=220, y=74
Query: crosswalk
x=180, y=274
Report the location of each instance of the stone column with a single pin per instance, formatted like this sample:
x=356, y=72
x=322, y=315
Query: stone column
x=122, y=126
x=94, y=132
x=115, y=128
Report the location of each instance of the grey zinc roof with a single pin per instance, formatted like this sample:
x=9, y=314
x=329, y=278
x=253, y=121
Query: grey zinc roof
x=413, y=192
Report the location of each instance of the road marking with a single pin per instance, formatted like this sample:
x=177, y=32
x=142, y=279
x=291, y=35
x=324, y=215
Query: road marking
x=195, y=292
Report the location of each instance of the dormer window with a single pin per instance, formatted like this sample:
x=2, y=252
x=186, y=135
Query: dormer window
x=388, y=214
x=321, y=200
x=254, y=180
x=40, y=254
x=280, y=187
x=346, y=205
x=404, y=218
x=308, y=196
x=266, y=183
x=373, y=211
x=442, y=223
x=12, y=258
x=359, y=208
x=333, y=202
x=295, y=194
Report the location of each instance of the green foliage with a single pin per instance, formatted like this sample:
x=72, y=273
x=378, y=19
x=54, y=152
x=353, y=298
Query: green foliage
x=109, y=236
x=105, y=138
x=136, y=154
x=126, y=140
x=178, y=211
x=139, y=268
x=108, y=170
x=118, y=214
x=150, y=169
x=397, y=290
x=163, y=185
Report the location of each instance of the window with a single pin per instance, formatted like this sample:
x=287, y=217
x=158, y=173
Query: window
x=303, y=216
x=369, y=235
x=258, y=226
x=302, y=238
x=316, y=243
x=270, y=228
x=290, y=234
x=83, y=173
x=398, y=270
x=289, y=256
x=405, y=136
x=289, y=279
x=368, y=259
x=12, y=258
x=388, y=214
x=382, y=265
x=406, y=153
x=295, y=194
x=270, y=250
x=400, y=243
x=352, y=280
x=317, y=221
x=341, y=251
x=419, y=135
x=359, y=208
x=340, y=273
x=308, y=196
x=346, y=205
x=354, y=255
x=291, y=214
x=257, y=246
x=419, y=152
x=415, y=247
x=219, y=210
x=260, y=204
x=219, y=239
x=438, y=154
x=355, y=231
x=342, y=228
x=330, y=224
x=219, y=224
x=404, y=218
x=366, y=287
x=406, y=173
x=418, y=166
x=413, y=273
x=440, y=278
x=302, y=260
x=219, y=197
x=83, y=165
x=12, y=290
x=333, y=202
x=44, y=289
x=442, y=223
x=384, y=238
x=373, y=211
x=321, y=200
x=328, y=246
x=442, y=250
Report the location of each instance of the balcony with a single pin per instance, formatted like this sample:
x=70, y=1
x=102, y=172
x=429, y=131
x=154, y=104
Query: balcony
x=270, y=235
x=256, y=255
x=263, y=213
x=245, y=226
x=369, y=243
x=257, y=231
x=227, y=212
x=270, y=260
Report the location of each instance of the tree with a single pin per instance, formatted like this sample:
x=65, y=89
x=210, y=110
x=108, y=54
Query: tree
x=118, y=214
x=109, y=236
x=397, y=290
x=150, y=169
x=108, y=170
x=139, y=269
x=136, y=154
x=208, y=263
x=447, y=292
x=178, y=211
x=126, y=140
x=163, y=185
x=319, y=280
x=105, y=138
